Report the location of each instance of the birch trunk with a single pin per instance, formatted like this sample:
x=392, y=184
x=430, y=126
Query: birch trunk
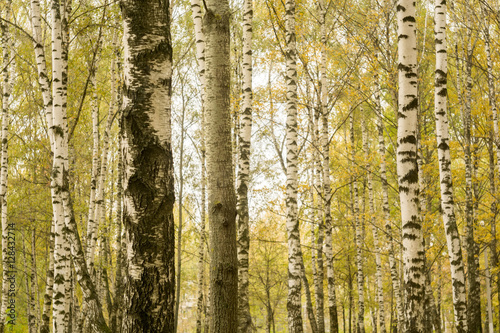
x=378, y=259
x=179, y=224
x=148, y=163
x=387, y=217
x=100, y=207
x=359, y=236
x=319, y=285
x=200, y=57
x=7, y=265
x=245, y=133
x=496, y=143
x=473, y=301
x=327, y=191
x=295, y=324
x=447, y=202
x=116, y=317
x=95, y=167
x=34, y=283
x=49, y=284
x=412, y=238
x=489, y=307
x=221, y=195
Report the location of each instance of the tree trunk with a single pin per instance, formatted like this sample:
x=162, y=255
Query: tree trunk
x=473, y=301
x=495, y=142
x=245, y=133
x=179, y=224
x=413, y=251
x=200, y=56
x=295, y=324
x=221, y=194
x=447, y=202
x=358, y=222
x=378, y=259
x=148, y=163
x=387, y=217
x=116, y=313
x=489, y=308
x=8, y=228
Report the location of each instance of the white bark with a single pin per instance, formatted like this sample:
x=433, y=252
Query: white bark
x=295, y=324
x=7, y=228
x=359, y=235
x=245, y=133
x=412, y=237
x=376, y=243
x=446, y=185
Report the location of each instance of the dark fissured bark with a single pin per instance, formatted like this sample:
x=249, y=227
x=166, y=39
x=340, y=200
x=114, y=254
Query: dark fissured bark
x=148, y=300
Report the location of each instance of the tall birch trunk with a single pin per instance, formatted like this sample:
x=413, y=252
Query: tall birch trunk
x=359, y=236
x=295, y=324
x=378, y=259
x=319, y=284
x=487, y=278
x=473, y=301
x=496, y=143
x=221, y=194
x=327, y=190
x=245, y=133
x=179, y=224
x=412, y=237
x=200, y=57
x=148, y=183
x=116, y=313
x=49, y=285
x=61, y=301
x=7, y=227
x=387, y=217
x=447, y=202
x=100, y=207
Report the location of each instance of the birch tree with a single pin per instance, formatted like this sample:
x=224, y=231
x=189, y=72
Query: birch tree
x=148, y=168
x=221, y=195
x=407, y=170
x=327, y=191
x=443, y=145
x=359, y=236
x=245, y=133
x=6, y=94
x=200, y=57
x=295, y=324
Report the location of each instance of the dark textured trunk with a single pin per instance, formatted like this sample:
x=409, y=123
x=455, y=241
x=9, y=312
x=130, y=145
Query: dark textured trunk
x=148, y=182
x=221, y=194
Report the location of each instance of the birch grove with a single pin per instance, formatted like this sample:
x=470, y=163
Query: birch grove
x=249, y=166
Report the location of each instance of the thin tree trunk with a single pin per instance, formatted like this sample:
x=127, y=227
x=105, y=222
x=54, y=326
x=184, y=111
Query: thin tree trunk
x=387, y=217
x=116, y=317
x=149, y=178
x=489, y=308
x=7, y=226
x=200, y=56
x=295, y=324
x=245, y=133
x=378, y=259
x=473, y=301
x=309, y=307
x=34, y=283
x=358, y=222
x=221, y=195
x=319, y=285
x=179, y=224
x=407, y=169
x=447, y=202
x=100, y=207
x=495, y=146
